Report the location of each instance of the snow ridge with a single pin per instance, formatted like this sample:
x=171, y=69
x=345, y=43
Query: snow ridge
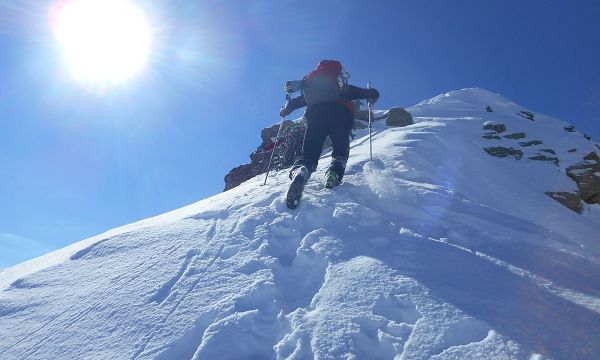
x=434, y=250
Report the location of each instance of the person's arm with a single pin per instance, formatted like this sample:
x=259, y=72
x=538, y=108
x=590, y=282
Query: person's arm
x=352, y=92
x=292, y=105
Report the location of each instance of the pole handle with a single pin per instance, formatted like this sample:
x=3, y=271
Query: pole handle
x=369, y=102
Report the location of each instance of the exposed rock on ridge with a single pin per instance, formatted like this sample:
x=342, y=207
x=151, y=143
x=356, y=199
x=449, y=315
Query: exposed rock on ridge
x=585, y=174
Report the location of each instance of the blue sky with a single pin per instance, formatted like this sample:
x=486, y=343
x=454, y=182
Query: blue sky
x=76, y=162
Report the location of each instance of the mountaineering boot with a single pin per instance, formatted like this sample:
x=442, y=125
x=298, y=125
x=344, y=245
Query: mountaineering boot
x=333, y=176
x=331, y=179
x=299, y=178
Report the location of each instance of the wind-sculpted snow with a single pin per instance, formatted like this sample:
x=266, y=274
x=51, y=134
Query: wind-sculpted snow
x=433, y=250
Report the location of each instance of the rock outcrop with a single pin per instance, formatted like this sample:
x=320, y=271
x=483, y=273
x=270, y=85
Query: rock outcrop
x=586, y=175
x=494, y=127
x=287, y=149
x=527, y=115
x=500, y=151
x=493, y=130
x=398, y=117
x=514, y=136
x=531, y=143
x=570, y=200
x=542, y=157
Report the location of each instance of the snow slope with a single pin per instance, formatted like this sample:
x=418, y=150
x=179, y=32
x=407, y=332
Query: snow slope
x=434, y=250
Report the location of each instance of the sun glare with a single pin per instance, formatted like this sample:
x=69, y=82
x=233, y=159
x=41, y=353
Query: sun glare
x=104, y=41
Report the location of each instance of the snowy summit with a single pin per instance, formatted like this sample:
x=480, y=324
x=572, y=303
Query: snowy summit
x=473, y=234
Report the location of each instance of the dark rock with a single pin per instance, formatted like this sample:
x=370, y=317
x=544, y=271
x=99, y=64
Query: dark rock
x=586, y=175
x=545, y=158
x=242, y=173
x=515, y=136
x=570, y=128
x=572, y=150
x=587, y=137
x=288, y=148
x=499, y=128
x=398, y=117
x=267, y=134
x=549, y=151
x=504, y=152
x=592, y=157
x=489, y=109
x=570, y=200
x=526, y=114
x=531, y=143
x=491, y=137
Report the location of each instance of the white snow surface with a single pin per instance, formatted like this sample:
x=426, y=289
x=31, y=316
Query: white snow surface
x=433, y=250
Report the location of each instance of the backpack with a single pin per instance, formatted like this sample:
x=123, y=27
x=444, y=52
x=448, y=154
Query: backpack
x=325, y=83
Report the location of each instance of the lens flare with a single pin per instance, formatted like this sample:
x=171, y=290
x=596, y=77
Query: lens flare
x=103, y=41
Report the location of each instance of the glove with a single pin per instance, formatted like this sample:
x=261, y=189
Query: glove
x=291, y=86
x=373, y=95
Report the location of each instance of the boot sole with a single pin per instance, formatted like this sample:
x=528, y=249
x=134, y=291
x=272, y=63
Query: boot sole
x=294, y=193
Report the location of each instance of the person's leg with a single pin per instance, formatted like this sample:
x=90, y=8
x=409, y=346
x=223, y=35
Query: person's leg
x=339, y=133
x=316, y=132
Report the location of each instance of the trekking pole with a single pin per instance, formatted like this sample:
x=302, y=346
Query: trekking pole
x=287, y=98
x=370, y=105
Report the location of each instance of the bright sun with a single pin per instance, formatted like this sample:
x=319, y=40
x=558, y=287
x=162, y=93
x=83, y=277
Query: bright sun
x=104, y=41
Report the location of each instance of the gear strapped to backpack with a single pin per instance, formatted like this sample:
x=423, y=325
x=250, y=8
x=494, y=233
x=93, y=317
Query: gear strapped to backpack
x=325, y=83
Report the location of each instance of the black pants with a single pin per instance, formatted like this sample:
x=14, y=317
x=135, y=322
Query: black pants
x=327, y=119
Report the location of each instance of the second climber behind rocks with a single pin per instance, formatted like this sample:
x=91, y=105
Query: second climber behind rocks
x=330, y=112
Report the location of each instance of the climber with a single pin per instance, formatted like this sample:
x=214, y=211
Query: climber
x=326, y=94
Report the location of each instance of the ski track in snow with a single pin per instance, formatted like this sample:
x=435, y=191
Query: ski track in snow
x=414, y=256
